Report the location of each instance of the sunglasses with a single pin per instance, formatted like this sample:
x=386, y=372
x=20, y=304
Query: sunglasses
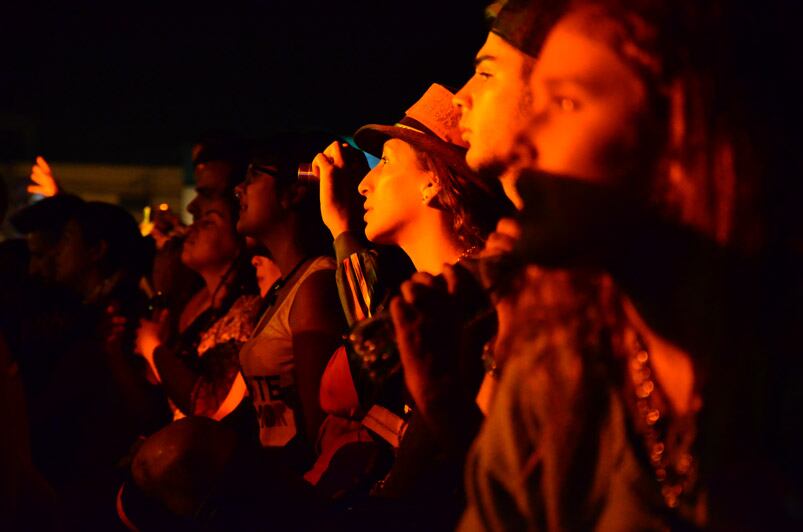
x=261, y=169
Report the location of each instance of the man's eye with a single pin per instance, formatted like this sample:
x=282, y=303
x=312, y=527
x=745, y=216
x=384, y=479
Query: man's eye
x=484, y=75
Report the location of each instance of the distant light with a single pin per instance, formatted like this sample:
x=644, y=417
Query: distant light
x=163, y=206
x=146, y=226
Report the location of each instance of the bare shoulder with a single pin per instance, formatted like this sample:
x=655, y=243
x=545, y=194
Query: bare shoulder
x=316, y=305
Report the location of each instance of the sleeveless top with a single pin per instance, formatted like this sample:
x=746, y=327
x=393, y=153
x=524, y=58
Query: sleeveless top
x=268, y=367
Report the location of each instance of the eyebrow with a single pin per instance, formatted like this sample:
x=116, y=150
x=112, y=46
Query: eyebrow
x=264, y=169
x=482, y=58
x=590, y=86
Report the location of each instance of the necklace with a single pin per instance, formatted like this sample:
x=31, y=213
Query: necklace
x=273, y=294
x=469, y=252
x=668, y=451
x=273, y=291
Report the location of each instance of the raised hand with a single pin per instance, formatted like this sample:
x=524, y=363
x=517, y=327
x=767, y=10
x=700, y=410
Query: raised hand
x=150, y=335
x=430, y=317
x=340, y=168
x=43, y=181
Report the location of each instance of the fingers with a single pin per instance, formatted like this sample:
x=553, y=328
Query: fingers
x=509, y=227
x=452, y=280
x=322, y=165
x=36, y=189
x=401, y=313
x=39, y=175
x=40, y=161
x=335, y=154
x=420, y=287
x=503, y=240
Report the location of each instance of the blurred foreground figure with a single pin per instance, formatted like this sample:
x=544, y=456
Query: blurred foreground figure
x=633, y=345
x=86, y=392
x=26, y=498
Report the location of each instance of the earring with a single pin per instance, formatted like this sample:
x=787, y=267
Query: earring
x=426, y=195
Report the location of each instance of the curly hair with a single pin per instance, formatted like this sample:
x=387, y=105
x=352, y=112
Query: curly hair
x=472, y=206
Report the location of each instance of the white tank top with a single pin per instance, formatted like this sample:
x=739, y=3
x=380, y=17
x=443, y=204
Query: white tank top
x=267, y=364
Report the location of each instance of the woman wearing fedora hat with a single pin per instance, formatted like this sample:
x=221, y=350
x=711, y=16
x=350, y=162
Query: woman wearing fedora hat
x=423, y=199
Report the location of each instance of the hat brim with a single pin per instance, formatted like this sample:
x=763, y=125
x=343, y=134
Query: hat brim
x=372, y=137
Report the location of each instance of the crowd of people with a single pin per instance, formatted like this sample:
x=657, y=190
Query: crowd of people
x=567, y=297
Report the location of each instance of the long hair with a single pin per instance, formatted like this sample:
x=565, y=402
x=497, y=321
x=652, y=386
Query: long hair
x=701, y=148
x=695, y=145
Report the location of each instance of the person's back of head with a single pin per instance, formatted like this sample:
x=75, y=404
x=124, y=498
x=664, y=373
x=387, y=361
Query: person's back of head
x=116, y=228
x=43, y=224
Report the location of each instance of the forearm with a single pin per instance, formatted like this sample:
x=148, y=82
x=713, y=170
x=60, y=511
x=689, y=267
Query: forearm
x=177, y=379
x=353, y=261
x=367, y=275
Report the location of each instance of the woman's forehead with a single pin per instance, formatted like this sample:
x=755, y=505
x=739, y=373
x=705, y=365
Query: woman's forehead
x=394, y=145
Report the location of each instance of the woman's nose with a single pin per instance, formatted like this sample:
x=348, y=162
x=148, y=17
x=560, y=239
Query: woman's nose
x=364, y=186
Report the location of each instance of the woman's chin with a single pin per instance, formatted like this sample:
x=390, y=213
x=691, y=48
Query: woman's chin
x=379, y=237
x=188, y=260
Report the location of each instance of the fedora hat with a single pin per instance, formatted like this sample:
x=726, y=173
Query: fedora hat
x=430, y=125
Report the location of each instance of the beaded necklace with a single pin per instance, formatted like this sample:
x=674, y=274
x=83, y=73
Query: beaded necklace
x=669, y=448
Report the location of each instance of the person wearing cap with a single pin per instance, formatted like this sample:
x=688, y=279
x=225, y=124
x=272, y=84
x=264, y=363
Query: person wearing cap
x=42, y=223
x=496, y=103
x=494, y=109
x=424, y=199
x=87, y=395
x=616, y=412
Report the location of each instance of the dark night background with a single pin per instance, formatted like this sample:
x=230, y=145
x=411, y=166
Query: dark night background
x=133, y=83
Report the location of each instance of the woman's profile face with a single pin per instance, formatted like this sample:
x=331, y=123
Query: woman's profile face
x=587, y=103
x=392, y=191
x=259, y=201
x=211, y=242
